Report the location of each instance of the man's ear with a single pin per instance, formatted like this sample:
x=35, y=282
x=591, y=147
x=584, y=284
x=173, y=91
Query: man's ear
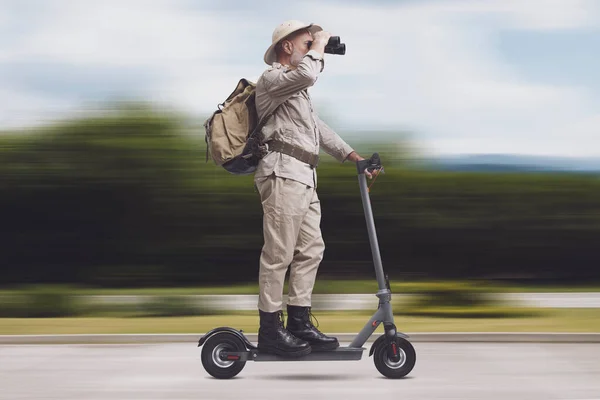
x=286, y=45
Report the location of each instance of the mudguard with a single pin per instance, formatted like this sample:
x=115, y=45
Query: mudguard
x=382, y=338
x=236, y=332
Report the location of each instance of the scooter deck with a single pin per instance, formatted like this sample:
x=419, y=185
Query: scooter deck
x=339, y=354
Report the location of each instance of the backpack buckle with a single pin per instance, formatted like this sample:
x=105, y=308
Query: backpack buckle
x=263, y=150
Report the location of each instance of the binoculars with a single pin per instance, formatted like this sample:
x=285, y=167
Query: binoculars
x=334, y=46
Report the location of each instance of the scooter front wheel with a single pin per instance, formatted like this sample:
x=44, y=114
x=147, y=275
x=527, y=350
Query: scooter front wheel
x=394, y=369
x=211, y=355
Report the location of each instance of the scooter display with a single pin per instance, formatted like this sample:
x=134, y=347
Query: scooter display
x=226, y=350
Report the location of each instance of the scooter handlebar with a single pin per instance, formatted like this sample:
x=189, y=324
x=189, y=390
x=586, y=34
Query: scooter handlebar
x=371, y=164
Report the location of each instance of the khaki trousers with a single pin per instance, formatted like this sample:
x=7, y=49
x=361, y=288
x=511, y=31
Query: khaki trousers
x=292, y=235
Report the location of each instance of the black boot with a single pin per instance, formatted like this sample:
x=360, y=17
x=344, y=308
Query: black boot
x=300, y=325
x=274, y=338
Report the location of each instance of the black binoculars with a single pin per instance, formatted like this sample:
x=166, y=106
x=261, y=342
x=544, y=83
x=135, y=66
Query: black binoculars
x=334, y=46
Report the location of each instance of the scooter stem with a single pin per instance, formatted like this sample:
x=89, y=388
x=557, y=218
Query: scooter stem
x=364, y=191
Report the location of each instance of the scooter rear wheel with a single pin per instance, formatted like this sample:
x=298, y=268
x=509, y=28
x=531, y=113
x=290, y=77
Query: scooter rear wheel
x=395, y=369
x=211, y=361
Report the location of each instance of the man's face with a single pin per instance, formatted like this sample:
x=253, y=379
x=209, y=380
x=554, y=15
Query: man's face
x=302, y=42
x=300, y=45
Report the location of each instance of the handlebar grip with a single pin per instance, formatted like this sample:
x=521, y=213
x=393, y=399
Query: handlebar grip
x=373, y=163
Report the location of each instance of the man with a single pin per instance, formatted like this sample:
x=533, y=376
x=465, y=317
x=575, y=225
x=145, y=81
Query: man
x=286, y=180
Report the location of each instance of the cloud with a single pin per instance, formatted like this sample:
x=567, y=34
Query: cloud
x=132, y=48
x=119, y=33
x=21, y=109
x=431, y=67
x=434, y=69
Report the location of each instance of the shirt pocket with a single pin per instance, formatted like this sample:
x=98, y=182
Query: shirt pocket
x=298, y=108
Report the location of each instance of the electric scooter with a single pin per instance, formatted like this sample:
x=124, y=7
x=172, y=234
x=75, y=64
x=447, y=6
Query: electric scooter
x=226, y=350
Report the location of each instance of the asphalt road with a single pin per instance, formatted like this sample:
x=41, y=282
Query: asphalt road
x=173, y=371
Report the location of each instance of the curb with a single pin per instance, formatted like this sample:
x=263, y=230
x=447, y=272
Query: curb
x=473, y=337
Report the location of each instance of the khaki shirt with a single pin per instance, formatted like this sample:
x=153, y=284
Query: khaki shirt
x=295, y=121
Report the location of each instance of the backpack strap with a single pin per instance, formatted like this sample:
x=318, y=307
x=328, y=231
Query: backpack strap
x=255, y=145
x=208, y=134
x=262, y=122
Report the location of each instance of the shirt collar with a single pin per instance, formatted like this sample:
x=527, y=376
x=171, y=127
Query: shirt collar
x=278, y=65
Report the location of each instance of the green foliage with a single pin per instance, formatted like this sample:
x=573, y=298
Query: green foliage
x=473, y=312
x=50, y=301
x=460, y=300
x=452, y=295
x=127, y=199
x=40, y=302
x=172, y=306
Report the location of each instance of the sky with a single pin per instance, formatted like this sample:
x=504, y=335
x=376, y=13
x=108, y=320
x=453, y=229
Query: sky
x=457, y=76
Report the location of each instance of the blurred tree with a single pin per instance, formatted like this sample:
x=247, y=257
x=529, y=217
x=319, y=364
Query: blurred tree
x=127, y=198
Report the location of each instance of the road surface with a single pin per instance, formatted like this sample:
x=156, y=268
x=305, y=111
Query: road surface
x=517, y=371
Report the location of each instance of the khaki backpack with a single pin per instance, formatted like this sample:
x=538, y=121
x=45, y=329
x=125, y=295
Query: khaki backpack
x=233, y=131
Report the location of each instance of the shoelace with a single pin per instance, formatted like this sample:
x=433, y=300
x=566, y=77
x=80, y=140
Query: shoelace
x=310, y=317
x=280, y=319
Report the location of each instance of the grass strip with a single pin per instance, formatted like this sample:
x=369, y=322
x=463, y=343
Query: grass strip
x=550, y=320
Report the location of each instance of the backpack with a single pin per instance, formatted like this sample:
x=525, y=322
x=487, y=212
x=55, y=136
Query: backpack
x=233, y=137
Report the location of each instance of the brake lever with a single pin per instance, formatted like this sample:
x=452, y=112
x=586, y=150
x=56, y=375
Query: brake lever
x=371, y=169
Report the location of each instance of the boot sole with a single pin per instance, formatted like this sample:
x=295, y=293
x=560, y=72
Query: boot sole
x=284, y=353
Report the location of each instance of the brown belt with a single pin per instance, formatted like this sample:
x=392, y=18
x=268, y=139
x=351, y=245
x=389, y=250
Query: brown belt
x=294, y=151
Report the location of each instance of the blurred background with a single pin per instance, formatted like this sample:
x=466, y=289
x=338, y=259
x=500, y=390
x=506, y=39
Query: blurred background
x=485, y=114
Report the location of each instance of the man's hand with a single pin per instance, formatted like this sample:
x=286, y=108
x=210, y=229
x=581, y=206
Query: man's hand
x=320, y=40
x=355, y=157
